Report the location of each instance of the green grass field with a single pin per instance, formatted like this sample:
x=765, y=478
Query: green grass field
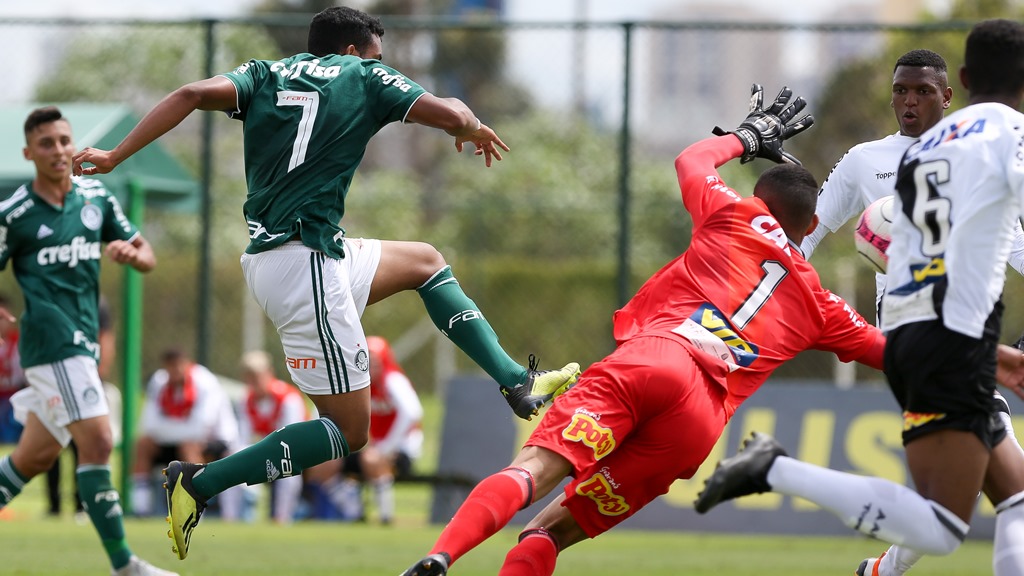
x=33, y=544
x=60, y=547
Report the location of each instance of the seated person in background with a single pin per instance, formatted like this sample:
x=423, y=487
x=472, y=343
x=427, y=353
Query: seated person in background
x=187, y=415
x=395, y=441
x=396, y=438
x=269, y=404
x=12, y=378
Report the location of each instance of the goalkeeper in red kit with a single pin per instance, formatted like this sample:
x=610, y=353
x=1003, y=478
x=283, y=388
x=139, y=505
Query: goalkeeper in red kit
x=699, y=337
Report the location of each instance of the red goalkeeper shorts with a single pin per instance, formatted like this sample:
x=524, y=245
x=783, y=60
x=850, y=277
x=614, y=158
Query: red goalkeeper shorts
x=634, y=423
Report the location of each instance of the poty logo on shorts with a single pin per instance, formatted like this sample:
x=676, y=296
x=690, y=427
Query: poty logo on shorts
x=584, y=428
x=608, y=502
x=913, y=420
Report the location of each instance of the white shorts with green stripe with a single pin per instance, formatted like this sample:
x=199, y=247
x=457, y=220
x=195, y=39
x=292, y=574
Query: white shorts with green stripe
x=61, y=393
x=315, y=303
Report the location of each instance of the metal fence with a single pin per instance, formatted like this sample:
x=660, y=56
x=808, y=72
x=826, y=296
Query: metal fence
x=551, y=240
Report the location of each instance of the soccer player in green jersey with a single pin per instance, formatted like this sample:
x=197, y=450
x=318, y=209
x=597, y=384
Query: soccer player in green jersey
x=306, y=122
x=51, y=232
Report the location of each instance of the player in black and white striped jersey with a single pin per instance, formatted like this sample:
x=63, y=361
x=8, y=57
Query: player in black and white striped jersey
x=958, y=190
x=920, y=95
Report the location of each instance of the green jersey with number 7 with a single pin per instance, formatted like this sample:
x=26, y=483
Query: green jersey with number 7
x=307, y=121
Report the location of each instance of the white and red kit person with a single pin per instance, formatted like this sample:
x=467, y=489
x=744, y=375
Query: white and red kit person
x=396, y=439
x=269, y=404
x=187, y=414
x=395, y=408
x=12, y=379
x=700, y=336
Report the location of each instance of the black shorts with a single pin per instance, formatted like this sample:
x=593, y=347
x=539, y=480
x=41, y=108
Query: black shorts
x=353, y=466
x=944, y=380
x=214, y=450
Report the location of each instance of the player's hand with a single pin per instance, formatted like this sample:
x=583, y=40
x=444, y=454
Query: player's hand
x=1010, y=369
x=122, y=252
x=486, y=141
x=101, y=160
x=763, y=131
x=5, y=314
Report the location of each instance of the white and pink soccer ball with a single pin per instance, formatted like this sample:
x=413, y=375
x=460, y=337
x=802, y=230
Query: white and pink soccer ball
x=873, y=232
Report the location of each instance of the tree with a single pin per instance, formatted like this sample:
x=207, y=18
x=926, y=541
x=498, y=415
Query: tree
x=141, y=64
x=851, y=108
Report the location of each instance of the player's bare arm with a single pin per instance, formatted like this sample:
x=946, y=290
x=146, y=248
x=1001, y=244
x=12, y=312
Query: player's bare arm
x=6, y=315
x=454, y=117
x=138, y=253
x=1010, y=369
x=217, y=93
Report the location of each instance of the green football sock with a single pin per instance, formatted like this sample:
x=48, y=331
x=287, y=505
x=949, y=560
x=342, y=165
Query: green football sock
x=11, y=481
x=458, y=318
x=103, y=504
x=285, y=452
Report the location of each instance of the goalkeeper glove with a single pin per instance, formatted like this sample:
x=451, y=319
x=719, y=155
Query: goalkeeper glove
x=763, y=131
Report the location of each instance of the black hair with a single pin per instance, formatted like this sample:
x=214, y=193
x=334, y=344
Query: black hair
x=791, y=194
x=338, y=27
x=41, y=116
x=994, y=57
x=173, y=354
x=922, y=58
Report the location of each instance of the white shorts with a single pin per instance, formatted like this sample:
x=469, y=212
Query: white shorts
x=61, y=393
x=315, y=303
x=362, y=256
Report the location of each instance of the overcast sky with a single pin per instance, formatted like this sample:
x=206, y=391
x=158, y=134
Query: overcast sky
x=23, y=72
x=796, y=10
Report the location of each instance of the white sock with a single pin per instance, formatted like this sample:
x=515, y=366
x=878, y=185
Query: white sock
x=142, y=495
x=230, y=502
x=347, y=497
x=1008, y=550
x=873, y=506
x=897, y=560
x=384, y=498
x=287, y=493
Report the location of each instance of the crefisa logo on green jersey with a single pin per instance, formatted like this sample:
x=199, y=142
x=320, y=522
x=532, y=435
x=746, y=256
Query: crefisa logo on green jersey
x=396, y=80
x=307, y=67
x=78, y=250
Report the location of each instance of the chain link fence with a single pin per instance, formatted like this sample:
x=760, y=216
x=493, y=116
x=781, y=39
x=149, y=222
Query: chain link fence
x=551, y=240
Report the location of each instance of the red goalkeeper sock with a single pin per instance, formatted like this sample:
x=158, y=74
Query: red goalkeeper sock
x=535, y=555
x=486, y=510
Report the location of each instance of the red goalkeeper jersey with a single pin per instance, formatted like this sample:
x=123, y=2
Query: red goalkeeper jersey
x=742, y=296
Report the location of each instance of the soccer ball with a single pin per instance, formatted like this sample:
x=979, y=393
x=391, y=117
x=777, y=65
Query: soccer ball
x=873, y=232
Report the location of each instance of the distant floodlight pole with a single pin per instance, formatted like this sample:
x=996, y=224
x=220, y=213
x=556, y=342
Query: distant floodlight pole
x=131, y=360
x=205, y=213
x=579, y=58
x=623, y=284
